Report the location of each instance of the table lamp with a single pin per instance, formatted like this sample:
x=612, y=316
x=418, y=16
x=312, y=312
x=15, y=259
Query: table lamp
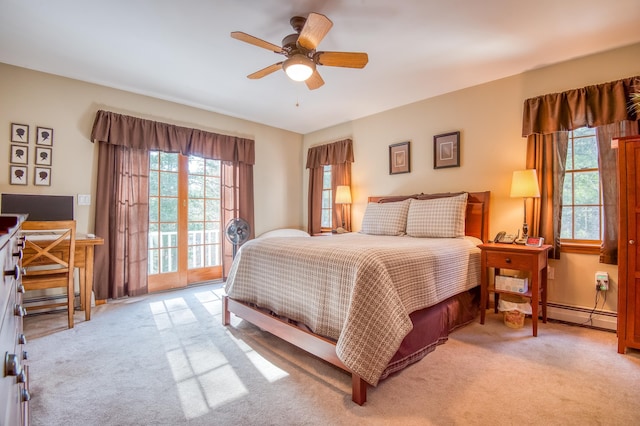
x=525, y=184
x=343, y=196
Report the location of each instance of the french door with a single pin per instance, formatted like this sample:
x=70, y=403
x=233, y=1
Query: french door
x=184, y=220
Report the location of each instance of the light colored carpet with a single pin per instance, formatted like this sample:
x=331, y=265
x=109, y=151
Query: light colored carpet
x=165, y=359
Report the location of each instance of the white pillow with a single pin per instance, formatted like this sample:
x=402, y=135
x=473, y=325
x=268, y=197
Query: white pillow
x=385, y=218
x=285, y=232
x=438, y=217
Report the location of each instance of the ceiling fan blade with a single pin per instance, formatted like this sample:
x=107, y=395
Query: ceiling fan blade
x=265, y=71
x=341, y=59
x=238, y=35
x=314, y=81
x=314, y=30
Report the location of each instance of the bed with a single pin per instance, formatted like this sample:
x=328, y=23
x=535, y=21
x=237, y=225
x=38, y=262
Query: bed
x=371, y=302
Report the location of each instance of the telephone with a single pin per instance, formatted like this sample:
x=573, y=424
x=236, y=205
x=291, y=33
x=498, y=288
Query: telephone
x=504, y=238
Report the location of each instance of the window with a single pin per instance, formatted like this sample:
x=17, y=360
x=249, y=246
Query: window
x=327, y=200
x=582, y=194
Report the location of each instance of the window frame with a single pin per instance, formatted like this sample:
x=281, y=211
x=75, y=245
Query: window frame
x=327, y=170
x=576, y=245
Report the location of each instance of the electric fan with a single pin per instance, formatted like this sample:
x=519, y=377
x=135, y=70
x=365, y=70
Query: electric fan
x=237, y=232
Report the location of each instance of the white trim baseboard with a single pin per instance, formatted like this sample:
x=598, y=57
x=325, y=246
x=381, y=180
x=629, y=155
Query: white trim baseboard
x=583, y=316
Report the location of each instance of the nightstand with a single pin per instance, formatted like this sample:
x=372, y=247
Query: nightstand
x=521, y=258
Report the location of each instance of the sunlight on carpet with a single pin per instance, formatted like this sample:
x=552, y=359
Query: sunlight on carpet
x=204, y=377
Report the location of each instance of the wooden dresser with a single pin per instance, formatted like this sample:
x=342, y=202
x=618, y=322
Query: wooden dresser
x=628, y=253
x=14, y=381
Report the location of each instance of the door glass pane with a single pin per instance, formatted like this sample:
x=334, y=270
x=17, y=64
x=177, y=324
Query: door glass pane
x=204, y=213
x=163, y=212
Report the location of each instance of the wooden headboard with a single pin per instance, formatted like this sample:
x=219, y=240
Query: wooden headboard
x=477, y=218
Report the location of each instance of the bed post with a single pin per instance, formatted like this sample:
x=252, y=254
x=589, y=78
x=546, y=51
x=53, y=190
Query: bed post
x=226, y=315
x=358, y=389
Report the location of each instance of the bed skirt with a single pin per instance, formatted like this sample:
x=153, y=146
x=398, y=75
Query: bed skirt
x=431, y=327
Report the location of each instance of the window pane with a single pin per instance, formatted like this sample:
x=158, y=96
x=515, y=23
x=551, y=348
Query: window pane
x=326, y=199
x=213, y=167
x=153, y=209
x=168, y=235
x=212, y=235
x=212, y=187
x=196, y=210
x=153, y=236
x=154, y=259
x=569, y=162
x=585, y=153
x=154, y=178
x=567, y=189
x=326, y=219
x=213, y=210
x=587, y=188
x=154, y=158
x=567, y=218
x=196, y=165
x=326, y=177
x=169, y=210
x=196, y=186
x=168, y=162
x=196, y=254
x=587, y=223
x=169, y=260
x=169, y=184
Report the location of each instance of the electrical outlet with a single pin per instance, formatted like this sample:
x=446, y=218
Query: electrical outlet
x=551, y=272
x=602, y=281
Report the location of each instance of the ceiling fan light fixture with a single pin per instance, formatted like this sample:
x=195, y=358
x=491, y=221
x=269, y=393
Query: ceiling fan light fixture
x=299, y=67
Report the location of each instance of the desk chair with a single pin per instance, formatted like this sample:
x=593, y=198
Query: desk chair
x=48, y=259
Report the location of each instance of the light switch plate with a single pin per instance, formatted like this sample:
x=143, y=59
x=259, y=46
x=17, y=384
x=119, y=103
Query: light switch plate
x=84, y=199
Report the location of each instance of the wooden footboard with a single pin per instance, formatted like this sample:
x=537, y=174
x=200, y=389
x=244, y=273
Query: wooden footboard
x=314, y=344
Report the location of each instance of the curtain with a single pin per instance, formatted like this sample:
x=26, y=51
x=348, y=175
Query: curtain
x=339, y=155
x=547, y=154
x=607, y=163
x=120, y=266
x=546, y=121
x=122, y=197
x=237, y=202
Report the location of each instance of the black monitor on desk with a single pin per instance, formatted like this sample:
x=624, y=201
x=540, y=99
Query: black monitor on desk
x=39, y=207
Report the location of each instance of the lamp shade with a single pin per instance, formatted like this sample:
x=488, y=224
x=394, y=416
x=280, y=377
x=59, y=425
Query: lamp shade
x=299, y=67
x=525, y=184
x=343, y=194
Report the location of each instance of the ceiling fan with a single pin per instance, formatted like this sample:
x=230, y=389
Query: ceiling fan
x=300, y=50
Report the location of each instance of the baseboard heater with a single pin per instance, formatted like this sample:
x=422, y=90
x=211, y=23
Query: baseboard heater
x=594, y=318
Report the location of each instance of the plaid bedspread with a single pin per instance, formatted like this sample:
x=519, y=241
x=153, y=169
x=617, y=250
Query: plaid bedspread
x=356, y=289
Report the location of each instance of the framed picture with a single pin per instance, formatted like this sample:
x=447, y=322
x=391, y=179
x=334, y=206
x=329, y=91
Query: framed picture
x=42, y=176
x=19, y=154
x=19, y=133
x=43, y=156
x=399, y=158
x=18, y=175
x=44, y=136
x=446, y=150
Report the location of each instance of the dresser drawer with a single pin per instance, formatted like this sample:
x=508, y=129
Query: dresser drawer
x=510, y=260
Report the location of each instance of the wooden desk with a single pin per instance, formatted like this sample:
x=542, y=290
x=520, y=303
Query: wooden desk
x=516, y=257
x=83, y=260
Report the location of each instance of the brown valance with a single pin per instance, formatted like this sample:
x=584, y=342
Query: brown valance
x=589, y=106
x=139, y=133
x=332, y=153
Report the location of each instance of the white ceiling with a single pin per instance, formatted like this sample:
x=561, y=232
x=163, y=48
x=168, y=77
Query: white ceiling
x=181, y=50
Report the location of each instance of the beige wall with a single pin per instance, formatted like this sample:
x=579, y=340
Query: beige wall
x=69, y=106
x=489, y=117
